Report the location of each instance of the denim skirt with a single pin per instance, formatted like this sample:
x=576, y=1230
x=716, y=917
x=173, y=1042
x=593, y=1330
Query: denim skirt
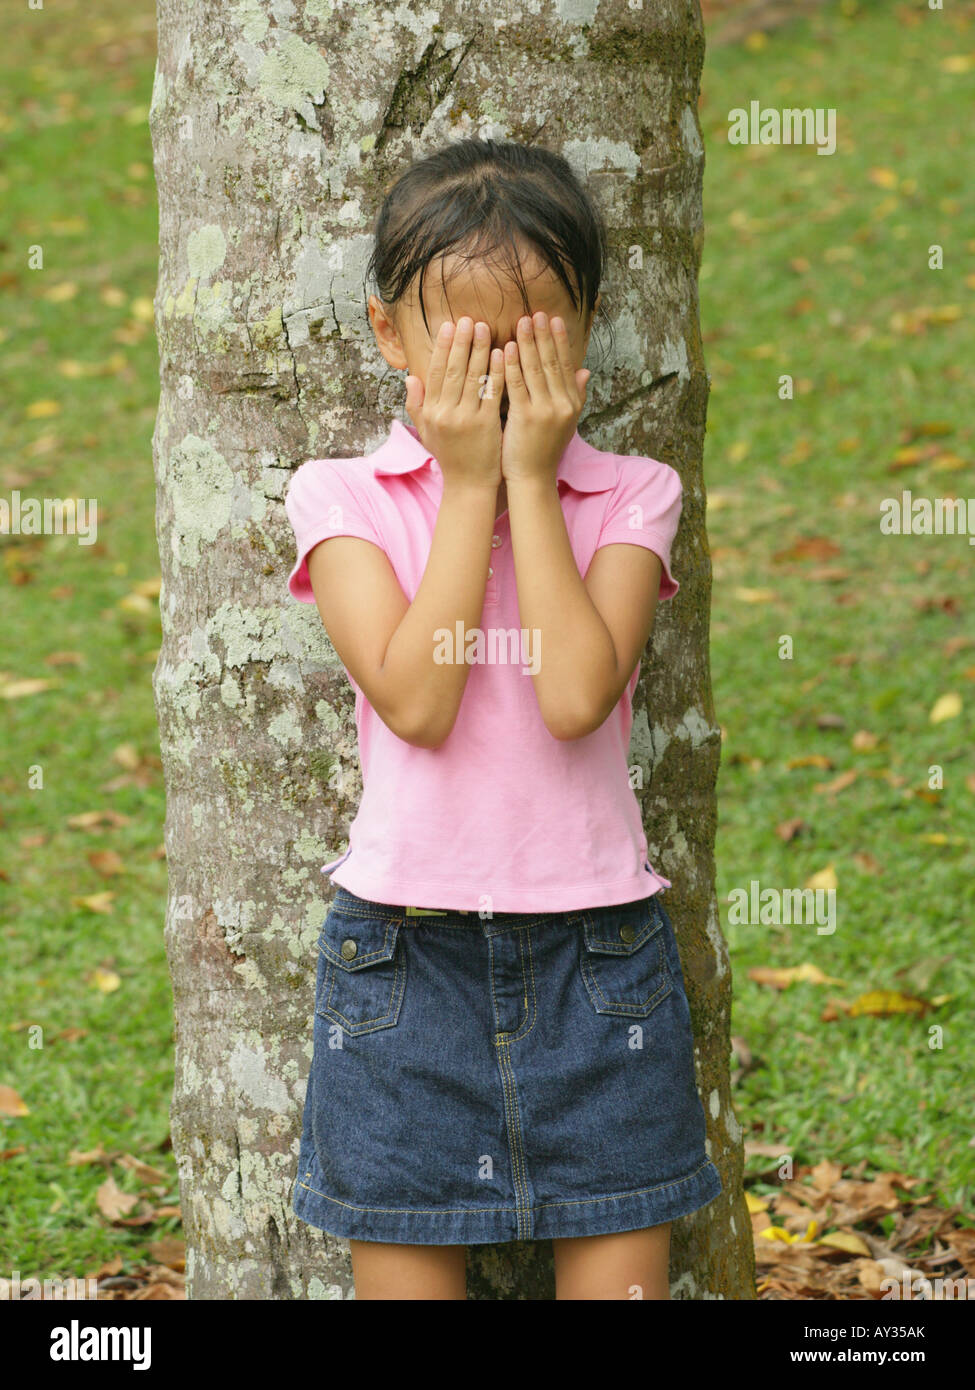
x=525, y=1076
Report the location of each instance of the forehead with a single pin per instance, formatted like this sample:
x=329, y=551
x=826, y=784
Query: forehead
x=485, y=287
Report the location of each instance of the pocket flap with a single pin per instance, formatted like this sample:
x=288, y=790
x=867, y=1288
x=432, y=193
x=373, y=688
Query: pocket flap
x=621, y=929
x=373, y=939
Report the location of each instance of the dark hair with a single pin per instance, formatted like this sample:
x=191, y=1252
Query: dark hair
x=473, y=196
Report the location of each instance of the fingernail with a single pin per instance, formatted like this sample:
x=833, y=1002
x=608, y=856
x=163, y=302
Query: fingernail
x=480, y=332
x=446, y=329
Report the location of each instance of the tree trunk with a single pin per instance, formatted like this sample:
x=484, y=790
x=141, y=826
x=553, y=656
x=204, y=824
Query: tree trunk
x=276, y=129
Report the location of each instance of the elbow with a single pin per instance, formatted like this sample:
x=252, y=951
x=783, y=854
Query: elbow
x=422, y=729
x=569, y=724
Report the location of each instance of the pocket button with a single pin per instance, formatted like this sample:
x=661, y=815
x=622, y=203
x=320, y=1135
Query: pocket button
x=349, y=949
x=627, y=932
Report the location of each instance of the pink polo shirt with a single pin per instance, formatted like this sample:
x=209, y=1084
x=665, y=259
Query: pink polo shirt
x=501, y=817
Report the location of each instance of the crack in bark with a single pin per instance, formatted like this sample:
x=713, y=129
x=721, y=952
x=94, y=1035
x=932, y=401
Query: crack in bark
x=618, y=407
x=419, y=91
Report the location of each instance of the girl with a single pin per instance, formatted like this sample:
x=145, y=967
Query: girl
x=502, y=1041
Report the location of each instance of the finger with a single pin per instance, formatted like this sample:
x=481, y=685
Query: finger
x=532, y=370
x=548, y=355
x=477, y=375
x=492, y=387
x=515, y=381
x=455, y=373
x=560, y=337
x=438, y=361
x=582, y=381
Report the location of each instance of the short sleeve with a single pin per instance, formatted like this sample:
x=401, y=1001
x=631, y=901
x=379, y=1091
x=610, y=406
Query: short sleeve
x=644, y=510
x=322, y=501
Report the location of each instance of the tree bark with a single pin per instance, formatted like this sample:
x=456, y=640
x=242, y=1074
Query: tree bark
x=276, y=129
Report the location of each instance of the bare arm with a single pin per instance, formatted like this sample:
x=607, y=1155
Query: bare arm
x=593, y=631
x=387, y=643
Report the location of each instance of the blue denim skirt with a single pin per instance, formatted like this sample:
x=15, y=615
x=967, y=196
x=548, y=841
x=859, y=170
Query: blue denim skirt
x=526, y=1076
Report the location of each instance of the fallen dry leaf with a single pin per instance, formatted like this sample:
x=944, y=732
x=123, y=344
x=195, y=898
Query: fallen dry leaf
x=106, y=862
x=782, y=978
x=105, y=980
x=143, y=1171
x=16, y=690
x=112, y=1201
x=95, y=902
x=945, y=707
x=879, y=1003
x=78, y=1157
x=11, y=1103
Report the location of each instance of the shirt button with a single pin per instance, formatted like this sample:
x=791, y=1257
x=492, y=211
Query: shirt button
x=349, y=949
x=496, y=542
x=490, y=572
x=628, y=932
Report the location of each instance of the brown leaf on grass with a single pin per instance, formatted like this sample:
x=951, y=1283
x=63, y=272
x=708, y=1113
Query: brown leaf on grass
x=866, y=862
x=824, y=878
x=829, y=574
x=106, y=862
x=830, y=721
x=105, y=980
x=947, y=603
x=932, y=429
x=16, y=690
x=880, y=1003
x=12, y=1153
x=159, y=1289
x=782, y=978
x=112, y=1201
x=65, y=659
x=962, y=1244
x=11, y=1103
x=810, y=760
x=762, y=1149
x=170, y=1251
x=946, y=706
x=77, y=1158
x=127, y=756
x=863, y=741
x=89, y=820
x=146, y=1216
x=790, y=829
x=143, y=1171
x=825, y=1174
x=808, y=548
x=838, y=784
x=95, y=902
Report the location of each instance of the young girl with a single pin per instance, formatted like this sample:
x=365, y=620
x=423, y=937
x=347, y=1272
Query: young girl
x=502, y=1041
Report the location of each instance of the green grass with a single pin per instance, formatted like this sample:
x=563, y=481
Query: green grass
x=76, y=178
x=818, y=466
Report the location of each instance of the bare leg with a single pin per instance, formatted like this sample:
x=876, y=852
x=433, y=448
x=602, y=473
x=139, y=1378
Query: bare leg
x=632, y=1264
x=408, y=1271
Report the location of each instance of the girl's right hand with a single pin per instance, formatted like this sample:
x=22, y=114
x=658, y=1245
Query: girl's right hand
x=457, y=415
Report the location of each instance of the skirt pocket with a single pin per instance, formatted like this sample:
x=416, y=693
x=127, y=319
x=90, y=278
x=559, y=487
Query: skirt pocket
x=364, y=975
x=623, y=958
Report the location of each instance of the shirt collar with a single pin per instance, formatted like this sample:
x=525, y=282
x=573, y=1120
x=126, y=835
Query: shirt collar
x=583, y=467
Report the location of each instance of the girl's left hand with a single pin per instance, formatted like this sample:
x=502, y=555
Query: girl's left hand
x=546, y=394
